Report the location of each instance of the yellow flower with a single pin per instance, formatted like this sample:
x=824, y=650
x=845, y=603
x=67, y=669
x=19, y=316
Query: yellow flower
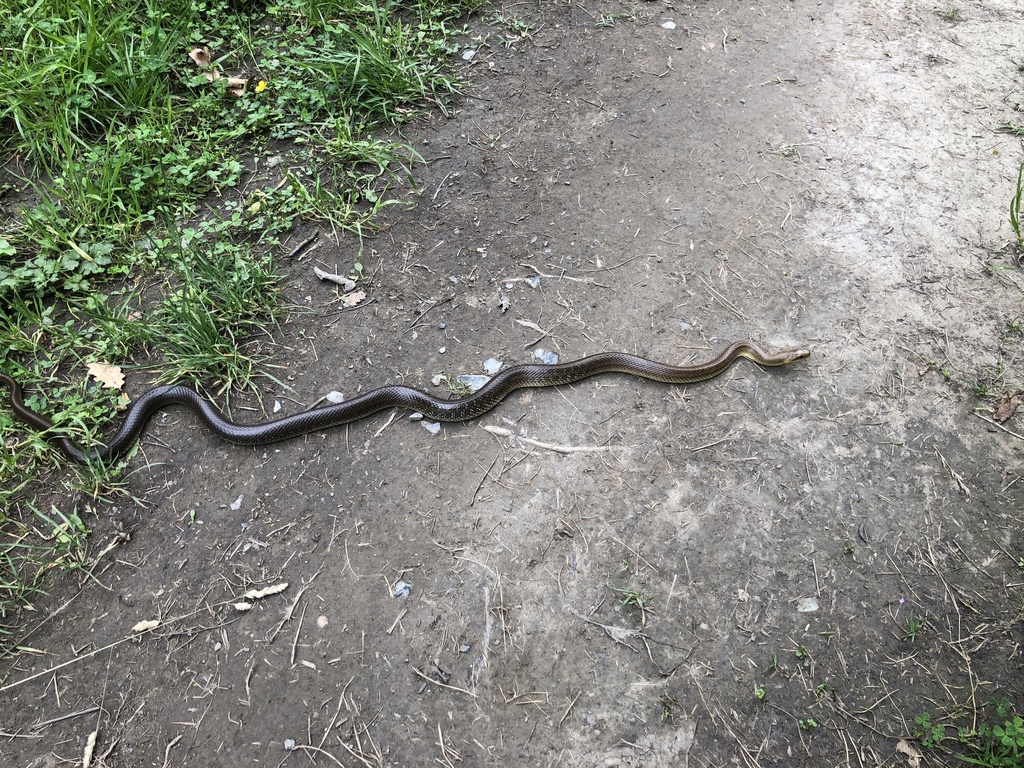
x=261, y=86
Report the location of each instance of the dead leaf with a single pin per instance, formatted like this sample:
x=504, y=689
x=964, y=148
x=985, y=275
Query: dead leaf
x=913, y=756
x=532, y=326
x=107, y=375
x=1007, y=406
x=353, y=299
x=201, y=56
x=237, y=86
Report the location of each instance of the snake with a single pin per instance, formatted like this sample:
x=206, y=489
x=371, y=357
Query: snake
x=500, y=386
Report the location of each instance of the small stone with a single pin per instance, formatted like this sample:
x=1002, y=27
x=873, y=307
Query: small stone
x=289, y=745
x=548, y=358
x=472, y=382
x=806, y=605
x=401, y=589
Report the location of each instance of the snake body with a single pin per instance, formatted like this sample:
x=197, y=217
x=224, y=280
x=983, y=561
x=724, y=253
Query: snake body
x=464, y=409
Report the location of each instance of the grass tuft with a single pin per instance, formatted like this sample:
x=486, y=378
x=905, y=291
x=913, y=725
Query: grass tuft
x=145, y=202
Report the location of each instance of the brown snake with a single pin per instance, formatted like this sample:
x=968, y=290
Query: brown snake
x=469, y=407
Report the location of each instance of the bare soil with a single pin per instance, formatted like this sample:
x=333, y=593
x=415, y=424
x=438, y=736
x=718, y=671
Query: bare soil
x=822, y=552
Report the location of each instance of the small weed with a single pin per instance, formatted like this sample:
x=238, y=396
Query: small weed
x=849, y=549
x=807, y=725
x=629, y=597
x=928, y=733
x=1012, y=128
x=998, y=746
x=669, y=705
x=803, y=655
x=1015, y=205
x=456, y=388
x=515, y=28
x=609, y=19
x=989, y=382
x=760, y=693
x=992, y=746
x=821, y=691
x=949, y=13
x=1014, y=328
x=914, y=625
x=67, y=533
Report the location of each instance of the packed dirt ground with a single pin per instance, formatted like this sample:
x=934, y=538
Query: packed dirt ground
x=775, y=568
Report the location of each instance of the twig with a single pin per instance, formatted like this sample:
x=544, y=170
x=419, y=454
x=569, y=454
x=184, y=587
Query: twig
x=290, y=610
x=616, y=266
x=587, y=280
x=423, y=314
x=1000, y=426
x=342, y=310
x=167, y=749
x=397, y=621
x=709, y=445
x=482, y=479
x=301, y=246
x=569, y=709
x=725, y=302
x=68, y=716
x=960, y=482
x=443, y=685
x=311, y=748
x=133, y=636
x=503, y=432
x=298, y=629
x=618, y=634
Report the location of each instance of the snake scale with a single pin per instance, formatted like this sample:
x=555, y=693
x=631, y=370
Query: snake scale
x=464, y=409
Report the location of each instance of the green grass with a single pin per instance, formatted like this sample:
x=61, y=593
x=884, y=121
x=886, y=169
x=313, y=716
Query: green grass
x=914, y=626
x=997, y=741
x=638, y=601
x=141, y=205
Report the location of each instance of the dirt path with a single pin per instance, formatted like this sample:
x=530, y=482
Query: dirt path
x=821, y=552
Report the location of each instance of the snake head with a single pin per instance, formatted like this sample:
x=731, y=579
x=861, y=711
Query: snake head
x=793, y=355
